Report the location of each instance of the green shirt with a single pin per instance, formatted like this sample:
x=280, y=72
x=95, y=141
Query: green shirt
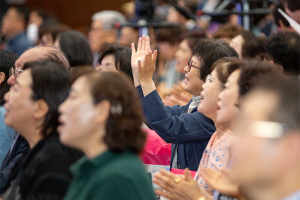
x=110, y=176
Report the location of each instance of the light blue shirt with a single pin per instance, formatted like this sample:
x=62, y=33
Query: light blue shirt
x=6, y=136
x=294, y=196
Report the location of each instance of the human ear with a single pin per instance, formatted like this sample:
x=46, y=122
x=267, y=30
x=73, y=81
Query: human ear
x=2, y=77
x=102, y=111
x=41, y=109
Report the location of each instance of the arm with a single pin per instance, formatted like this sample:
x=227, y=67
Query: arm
x=182, y=128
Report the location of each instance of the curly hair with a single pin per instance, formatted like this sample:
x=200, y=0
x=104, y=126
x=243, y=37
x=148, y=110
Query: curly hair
x=123, y=129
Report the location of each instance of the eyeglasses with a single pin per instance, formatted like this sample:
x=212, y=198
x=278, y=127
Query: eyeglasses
x=14, y=71
x=190, y=65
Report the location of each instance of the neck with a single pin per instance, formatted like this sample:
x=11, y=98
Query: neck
x=221, y=130
x=281, y=188
x=32, y=137
x=94, y=146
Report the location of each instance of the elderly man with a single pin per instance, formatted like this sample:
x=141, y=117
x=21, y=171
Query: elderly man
x=20, y=144
x=103, y=29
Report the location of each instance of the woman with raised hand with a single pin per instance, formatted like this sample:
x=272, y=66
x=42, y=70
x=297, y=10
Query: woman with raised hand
x=43, y=171
x=104, y=121
x=242, y=77
x=188, y=130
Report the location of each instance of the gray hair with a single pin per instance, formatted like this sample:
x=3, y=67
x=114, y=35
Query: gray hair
x=109, y=18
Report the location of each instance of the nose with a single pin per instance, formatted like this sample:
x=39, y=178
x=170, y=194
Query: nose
x=186, y=69
x=11, y=81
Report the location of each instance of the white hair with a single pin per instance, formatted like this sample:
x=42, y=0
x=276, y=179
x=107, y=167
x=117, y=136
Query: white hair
x=109, y=18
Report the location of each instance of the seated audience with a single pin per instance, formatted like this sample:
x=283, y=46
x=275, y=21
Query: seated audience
x=79, y=71
x=188, y=130
x=13, y=28
x=284, y=48
x=76, y=47
x=243, y=77
x=270, y=138
x=43, y=172
x=110, y=134
x=247, y=45
x=7, y=60
x=227, y=32
x=115, y=58
x=19, y=144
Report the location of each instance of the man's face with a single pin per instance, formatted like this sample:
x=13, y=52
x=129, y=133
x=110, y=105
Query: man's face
x=97, y=35
x=28, y=56
x=11, y=22
x=257, y=160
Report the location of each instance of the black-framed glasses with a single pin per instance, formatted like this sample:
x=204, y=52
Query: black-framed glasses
x=190, y=65
x=14, y=71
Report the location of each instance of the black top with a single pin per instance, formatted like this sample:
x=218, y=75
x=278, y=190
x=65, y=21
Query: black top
x=43, y=172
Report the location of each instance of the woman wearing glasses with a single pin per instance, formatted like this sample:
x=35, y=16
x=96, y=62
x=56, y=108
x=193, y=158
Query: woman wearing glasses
x=7, y=59
x=188, y=130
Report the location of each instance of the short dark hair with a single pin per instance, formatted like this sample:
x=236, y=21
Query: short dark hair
x=76, y=47
x=50, y=82
x=284, y=48
x=193, y=37
x=123, y=129
x=122, y=58
x=252, y=73
x=228, y=30
x=23, y=12
x=170, y=35
x=209, y=51
x=292, y=5
x=252, y=45
x=7, y=61
x=53, y=29
x=287, y=110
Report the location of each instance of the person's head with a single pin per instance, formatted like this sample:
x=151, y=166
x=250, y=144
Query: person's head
x=185, y=48
x=244, y=76
x=79, y=71
x=103, y=28
x=14, y=21
x=76, y=47
x=33, y=102
x=284, y=48
x=205, y=53
x=7, y=61
x=248, y=45
x=48, y=34
x=38, y=54
x=128, y=36
x=227, y=32
x=116, y=58
x=268, y=135
x=107, y=115
x=292, y=8
x=212, y=87
x=167, y=42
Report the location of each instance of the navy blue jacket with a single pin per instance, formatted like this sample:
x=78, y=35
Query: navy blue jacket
x=18, y=44
x=12, y=157
x=191, y=132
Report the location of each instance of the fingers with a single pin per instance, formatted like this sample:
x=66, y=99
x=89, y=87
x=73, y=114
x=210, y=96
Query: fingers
x=148, y=47
x=164, y=194
x=140, y=68
x=167, y=174
x=139, y=44
x=188, y=175
x=143, y=43
x=132, y=49
x=154, y=57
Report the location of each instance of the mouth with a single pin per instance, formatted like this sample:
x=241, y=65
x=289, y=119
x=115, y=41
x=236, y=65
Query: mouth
x=61, y=125
x=186, y=79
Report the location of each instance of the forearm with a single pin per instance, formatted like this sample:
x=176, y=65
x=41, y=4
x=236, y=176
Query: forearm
x=136, y=79
x=147, y=87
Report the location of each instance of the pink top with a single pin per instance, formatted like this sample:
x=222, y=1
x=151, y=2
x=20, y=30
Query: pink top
x=215, y=156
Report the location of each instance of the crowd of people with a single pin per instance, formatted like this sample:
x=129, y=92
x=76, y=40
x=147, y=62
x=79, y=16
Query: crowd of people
x=75, y=108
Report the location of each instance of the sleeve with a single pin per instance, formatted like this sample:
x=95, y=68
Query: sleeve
x=174, y=127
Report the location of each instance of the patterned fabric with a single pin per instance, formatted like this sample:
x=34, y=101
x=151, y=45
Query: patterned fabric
x=216, y=156
x=195, y=103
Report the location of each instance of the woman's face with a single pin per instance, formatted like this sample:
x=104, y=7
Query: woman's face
x=211, y=90
x=228, y=100
x=107, y=64
x=78, y=115
x=192, y=82
x=20, y=108
x=182, y=55
x=237, y=43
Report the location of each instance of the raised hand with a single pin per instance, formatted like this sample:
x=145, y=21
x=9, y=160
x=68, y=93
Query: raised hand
x=146, y=68
x=142, y=50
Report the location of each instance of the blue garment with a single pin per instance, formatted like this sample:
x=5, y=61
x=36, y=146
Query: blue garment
x=18, y=44
x=294, y=196
x=190, y=133
x=6, y=135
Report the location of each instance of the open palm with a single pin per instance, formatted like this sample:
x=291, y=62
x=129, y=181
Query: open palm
x=139, y=55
